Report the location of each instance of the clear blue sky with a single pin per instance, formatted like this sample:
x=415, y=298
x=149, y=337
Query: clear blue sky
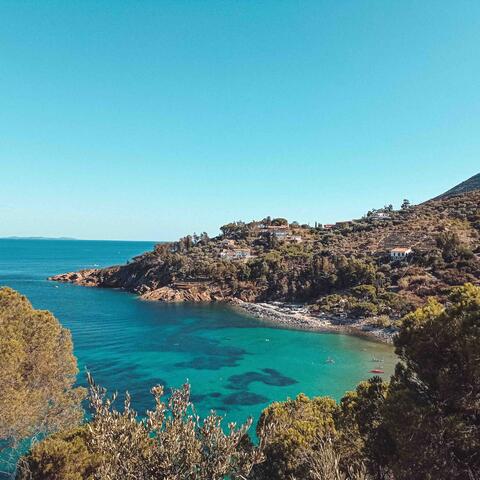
x=153, y=119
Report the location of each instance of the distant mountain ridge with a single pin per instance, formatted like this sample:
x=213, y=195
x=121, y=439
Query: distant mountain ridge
x=469, y=185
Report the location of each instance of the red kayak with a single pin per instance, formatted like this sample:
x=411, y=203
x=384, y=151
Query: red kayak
x=376, y=370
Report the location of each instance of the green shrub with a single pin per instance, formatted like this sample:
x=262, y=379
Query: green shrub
x=62, y=456
x=296, y=424
x=364, y=292
x=363, y=309
x=432, y=407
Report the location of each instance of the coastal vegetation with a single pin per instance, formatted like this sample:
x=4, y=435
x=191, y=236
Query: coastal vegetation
x=423, y=424
x=345, y=271
x=37, y=374
x=170, y=443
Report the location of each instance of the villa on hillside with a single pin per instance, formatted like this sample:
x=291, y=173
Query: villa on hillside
x=400, y=253
x=281, y=234
x=236, y=254
x=295, y=239
x=278, y=231
x=381, y=216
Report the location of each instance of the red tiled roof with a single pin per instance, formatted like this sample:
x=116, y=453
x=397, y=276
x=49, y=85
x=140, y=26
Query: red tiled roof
x=400, y=249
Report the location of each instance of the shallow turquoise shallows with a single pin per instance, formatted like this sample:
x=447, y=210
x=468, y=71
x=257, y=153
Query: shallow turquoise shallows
x=236, y=365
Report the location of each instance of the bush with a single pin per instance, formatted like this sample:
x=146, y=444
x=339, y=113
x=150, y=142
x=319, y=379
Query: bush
x=363, y=309
x=64, y=456
x=170, y=444
x=364, y=292
x=296, y=425
x=432, y=407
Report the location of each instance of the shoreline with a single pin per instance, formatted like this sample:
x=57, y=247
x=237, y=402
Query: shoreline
x=297, y=317
x=280, y=314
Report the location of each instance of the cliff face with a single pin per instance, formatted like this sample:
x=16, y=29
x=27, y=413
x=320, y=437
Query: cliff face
x=132, y=278
x=106, y=277
x=195, y=293
x=346, y=268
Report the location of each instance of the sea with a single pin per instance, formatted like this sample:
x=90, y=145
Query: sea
x=236, y=365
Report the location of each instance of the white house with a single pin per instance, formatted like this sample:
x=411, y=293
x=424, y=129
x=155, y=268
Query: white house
x=381, y=216
x=236, y=254
x=280, y=233
x=295, y=238
x=400, y=253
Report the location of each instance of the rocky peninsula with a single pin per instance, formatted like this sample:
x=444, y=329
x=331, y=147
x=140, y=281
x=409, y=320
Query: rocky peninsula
x=276, y=313
x=360, y=276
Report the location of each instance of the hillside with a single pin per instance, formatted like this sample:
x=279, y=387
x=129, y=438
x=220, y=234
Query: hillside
x=469, y=185
x=345, y=270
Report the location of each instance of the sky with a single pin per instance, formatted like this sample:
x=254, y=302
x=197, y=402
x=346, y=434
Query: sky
x=150, y=120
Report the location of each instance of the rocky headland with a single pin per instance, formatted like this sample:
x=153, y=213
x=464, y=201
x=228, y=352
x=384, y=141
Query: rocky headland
x=275, y=313
x=360, y=276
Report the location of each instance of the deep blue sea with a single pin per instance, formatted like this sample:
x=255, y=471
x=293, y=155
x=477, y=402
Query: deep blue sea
x=235, y=364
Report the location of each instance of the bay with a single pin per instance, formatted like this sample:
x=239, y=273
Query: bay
x=236, y=365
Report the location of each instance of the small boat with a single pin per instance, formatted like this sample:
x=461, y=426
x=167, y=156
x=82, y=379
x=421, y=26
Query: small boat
x=376, y=370
x=377, y=360
x=329, y=360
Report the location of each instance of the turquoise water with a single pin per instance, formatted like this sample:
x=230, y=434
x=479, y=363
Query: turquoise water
x=236, y=365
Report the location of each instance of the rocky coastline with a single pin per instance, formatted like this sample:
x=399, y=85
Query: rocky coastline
x=298, y=317
x=345, y=275
x=280, y=314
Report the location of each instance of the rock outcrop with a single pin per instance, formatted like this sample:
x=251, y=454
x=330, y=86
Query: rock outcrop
x=175, y=292
x=87, y=278
x=181, y=293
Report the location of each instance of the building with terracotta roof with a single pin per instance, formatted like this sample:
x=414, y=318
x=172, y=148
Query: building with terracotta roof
x=400, y=253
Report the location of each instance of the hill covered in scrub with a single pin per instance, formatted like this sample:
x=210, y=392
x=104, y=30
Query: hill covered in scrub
x=469, y=185
x=346, y=269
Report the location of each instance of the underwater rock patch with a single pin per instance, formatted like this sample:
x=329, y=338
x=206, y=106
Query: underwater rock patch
x=269, y=376
x=244, y=398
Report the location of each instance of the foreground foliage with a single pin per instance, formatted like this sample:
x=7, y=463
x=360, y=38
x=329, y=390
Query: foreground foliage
x=299, y=423
x=37, y=373
x=423, y=425
x=172, y=443
x=432, y=412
